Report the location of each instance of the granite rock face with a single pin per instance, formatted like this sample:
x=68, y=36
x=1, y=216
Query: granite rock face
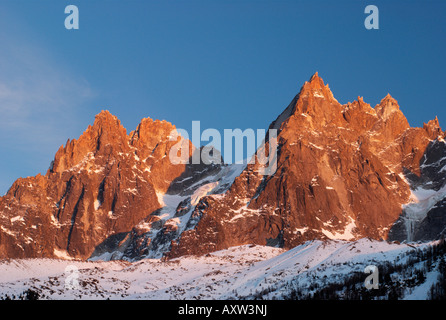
x=98, y=186
x=342, y=172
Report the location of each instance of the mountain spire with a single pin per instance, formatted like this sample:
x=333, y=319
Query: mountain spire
x=316, y=81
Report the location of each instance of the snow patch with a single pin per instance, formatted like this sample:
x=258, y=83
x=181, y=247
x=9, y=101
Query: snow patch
x=62, y=254
x=17, y=218
x=347, y=234
x=300, y=230
x=203, y=191
x=97, y=204
x=318, y=94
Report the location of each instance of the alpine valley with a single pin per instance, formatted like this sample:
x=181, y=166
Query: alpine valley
x=355, y=185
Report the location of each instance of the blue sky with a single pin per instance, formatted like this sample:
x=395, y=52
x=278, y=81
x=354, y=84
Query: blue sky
x=230, y=64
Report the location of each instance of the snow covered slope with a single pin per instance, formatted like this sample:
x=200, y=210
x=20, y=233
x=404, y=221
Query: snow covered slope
x=244, y=272
x=152, y=237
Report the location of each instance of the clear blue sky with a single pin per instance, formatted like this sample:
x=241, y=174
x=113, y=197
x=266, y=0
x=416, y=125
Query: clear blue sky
x=230, y=64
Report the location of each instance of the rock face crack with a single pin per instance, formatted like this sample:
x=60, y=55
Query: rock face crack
x=73, y=218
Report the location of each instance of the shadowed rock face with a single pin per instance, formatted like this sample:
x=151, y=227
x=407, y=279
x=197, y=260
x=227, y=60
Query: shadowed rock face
x=424, y=217
x=343, y=171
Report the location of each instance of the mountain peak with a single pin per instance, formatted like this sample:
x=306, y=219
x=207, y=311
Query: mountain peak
x=104, y=118
x=387, y=106
x=150, y=132
x=316, y=81
x=106, y=127
x=389, y=98
x=433, y=128
x=105, y=113
x=312, y=94
x=106, y=133
x=314, y=76
x=316, y=89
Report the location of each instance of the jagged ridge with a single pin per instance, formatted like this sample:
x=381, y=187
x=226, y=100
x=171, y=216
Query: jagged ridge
x=343, y=172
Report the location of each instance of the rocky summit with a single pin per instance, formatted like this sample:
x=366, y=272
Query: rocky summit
x=343, y=172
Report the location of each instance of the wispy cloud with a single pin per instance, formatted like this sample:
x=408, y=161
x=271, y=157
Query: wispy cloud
x=42, y=100
x=38, y=98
